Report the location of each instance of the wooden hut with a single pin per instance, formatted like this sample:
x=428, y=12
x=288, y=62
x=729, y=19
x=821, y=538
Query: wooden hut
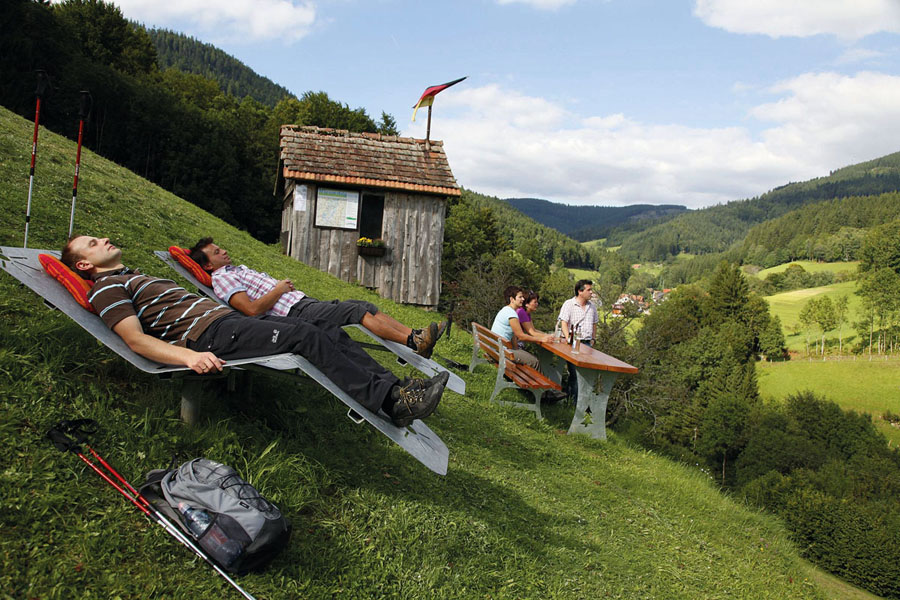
x=338, y=187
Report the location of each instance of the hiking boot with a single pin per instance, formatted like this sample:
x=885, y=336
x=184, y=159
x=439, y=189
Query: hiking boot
x=415, y=383
x=417, y=399
x=425, y=339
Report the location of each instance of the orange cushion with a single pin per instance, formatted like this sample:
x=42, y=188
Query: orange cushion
x=74, y=284
x=184, y=259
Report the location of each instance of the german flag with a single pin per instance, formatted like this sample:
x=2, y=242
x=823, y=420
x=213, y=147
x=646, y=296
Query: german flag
x=427, y=98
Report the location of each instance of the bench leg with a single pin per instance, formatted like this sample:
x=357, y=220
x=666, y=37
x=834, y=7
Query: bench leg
x=502, y=384
x=476, y=360
x=537, y=404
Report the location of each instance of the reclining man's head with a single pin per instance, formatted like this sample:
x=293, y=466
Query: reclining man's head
x=87, y=255
x=209, y=256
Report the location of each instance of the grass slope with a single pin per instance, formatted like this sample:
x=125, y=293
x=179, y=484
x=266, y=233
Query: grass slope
x=525, y=512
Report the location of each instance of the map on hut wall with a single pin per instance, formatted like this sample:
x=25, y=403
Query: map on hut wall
x=336, y=208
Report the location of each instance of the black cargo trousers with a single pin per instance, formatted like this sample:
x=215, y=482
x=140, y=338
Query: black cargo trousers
x=322, y=343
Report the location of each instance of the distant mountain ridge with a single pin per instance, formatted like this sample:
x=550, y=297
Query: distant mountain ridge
x=189, y=55
x=718, y=228
x=585, y=223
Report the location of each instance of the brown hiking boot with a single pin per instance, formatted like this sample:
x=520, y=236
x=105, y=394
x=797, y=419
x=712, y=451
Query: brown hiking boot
x=417, y=383
x=425, y=339
x=417, y=399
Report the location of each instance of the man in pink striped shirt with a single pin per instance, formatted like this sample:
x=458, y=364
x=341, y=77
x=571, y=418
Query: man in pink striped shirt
x=254, y=294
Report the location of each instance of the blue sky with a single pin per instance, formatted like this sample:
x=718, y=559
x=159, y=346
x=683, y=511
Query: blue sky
x=609, y=102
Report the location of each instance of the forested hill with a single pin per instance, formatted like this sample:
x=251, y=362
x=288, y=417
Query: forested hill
x=520, y=228
x=189, y=55
x=585, y=223
x=833, y=230
x=717, y=228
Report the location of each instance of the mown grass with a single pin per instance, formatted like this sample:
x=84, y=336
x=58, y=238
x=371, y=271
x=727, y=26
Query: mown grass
x=862, y=385
x=524, y=512
x=787, y=307
x=811, y=266
x=835, y=588
x=583, y=274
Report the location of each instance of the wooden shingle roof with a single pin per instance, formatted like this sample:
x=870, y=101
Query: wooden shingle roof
x=365, y=159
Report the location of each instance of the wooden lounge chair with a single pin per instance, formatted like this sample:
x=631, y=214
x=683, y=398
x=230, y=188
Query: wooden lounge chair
x=404, y=354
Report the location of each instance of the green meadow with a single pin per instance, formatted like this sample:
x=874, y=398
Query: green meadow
x=584, y=274
x=811, y=266
x=599, y=243
x=787, y=307
x=524, y=512
x=860, y=384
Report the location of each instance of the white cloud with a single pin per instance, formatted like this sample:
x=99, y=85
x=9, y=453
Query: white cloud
x=834, y=120
x=539, y=4
x=226, y=20
x=856, y=55
x=504, y=143
x=847, y=19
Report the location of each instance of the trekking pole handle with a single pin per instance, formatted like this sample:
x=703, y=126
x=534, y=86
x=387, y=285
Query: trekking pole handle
x=84, y=109
x=42, y=83
x=60, y=434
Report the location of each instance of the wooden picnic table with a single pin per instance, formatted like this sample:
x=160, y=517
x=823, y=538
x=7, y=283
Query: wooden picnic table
x=591, y=367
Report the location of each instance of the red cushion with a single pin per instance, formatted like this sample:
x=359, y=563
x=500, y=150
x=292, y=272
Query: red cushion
x=74, y=284
x=184, y=259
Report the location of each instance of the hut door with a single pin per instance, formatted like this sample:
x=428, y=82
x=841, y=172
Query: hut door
x=371, y=216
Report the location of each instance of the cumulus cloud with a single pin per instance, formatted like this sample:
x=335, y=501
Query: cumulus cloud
x=847, y=19
x=832, y=118
x=232, y=20
x=507, y=144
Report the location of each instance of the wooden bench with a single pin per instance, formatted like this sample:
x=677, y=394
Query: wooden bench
x=499, y=353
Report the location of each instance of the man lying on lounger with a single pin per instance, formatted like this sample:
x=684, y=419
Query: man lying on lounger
x=254, y=293
x=161, y=321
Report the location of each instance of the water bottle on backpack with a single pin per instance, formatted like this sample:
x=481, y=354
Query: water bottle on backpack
x=216, y=542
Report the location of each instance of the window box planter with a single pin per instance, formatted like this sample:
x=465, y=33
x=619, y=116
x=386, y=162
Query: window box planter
x=371, y=250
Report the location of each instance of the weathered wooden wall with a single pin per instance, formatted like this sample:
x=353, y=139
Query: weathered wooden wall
x=413, y=230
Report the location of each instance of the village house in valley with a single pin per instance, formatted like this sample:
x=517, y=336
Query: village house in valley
x=340, y=187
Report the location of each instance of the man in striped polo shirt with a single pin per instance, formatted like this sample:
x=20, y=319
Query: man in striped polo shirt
x=254, y=293
x=163, y=322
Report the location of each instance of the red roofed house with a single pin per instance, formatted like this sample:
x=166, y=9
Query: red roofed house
x=339, y=187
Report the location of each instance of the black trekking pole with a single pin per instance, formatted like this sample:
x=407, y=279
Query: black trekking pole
x=60, y=434
x=83, y=112
x=43, y=81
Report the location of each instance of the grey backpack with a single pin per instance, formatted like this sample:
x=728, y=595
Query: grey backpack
x=231, y=521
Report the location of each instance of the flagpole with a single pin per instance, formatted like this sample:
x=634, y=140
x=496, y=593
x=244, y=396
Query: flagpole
x=428, y=131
